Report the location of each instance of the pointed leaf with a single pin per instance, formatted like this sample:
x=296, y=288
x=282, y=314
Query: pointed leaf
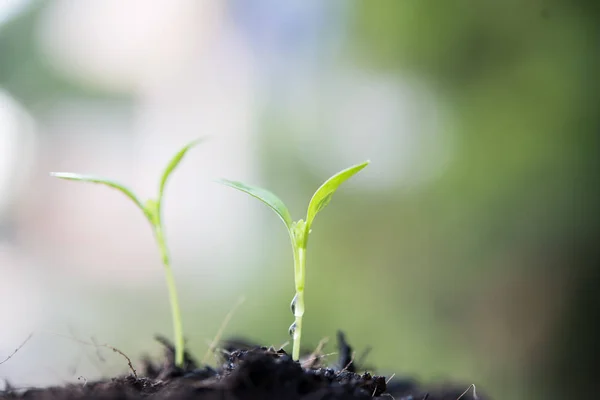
x=265, y=196
x=323, y=195
x=173, y=164
x=107, y=182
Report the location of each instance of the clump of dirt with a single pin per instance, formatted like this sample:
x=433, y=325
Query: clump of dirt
x=247, y=372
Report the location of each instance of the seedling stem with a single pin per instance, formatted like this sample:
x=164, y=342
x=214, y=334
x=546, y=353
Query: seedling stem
x=173, y=297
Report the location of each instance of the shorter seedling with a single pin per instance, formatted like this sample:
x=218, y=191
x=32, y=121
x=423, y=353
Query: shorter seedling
x=152, y=210
x=298, y=231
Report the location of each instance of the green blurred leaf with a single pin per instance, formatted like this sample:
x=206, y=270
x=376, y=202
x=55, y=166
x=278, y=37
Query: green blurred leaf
x=28, y=76
x=323, y=195
x=265, y=196
x=172, y=165
x=107, y=182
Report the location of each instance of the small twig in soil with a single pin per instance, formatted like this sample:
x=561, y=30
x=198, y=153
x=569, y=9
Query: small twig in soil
x=114, y=349
x=17, y=349
x=124, y=355
x=465, y=392
x=224, y=351
x=308, y=362
x=284, y=345
x=321, y=344
x=213, y=344
x=316, y=354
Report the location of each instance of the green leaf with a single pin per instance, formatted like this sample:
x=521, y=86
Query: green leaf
x=173, y=164
x=107, y=182
x=265, y=196
x=323, y=195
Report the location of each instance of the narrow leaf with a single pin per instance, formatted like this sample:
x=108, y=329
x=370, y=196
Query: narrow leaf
x=172, y=165
x=323, y=195
x=265, y=196
x=94, y=179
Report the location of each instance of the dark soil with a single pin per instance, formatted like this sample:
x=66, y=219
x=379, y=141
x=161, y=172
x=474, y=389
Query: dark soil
x=248, y=373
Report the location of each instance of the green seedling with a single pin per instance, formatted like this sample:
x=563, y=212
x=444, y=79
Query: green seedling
x=152, y=210
x=298, y=231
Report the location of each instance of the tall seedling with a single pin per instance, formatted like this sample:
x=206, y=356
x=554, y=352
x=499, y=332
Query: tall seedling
x=298, y=231
x=152, y=210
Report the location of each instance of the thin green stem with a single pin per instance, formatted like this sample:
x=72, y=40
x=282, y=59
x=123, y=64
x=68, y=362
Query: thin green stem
x=173, y=298
x=299, y=275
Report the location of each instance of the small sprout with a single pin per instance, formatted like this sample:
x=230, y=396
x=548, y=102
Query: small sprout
x=299, y=231
x=152, y=210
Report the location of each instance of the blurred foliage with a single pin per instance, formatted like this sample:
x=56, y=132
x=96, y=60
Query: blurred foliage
x=25, y=73
x=521, y=78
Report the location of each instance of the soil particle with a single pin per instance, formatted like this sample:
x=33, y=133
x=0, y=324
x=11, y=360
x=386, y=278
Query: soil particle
x=247, y=373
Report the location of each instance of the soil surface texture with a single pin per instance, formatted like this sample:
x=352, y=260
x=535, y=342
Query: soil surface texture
x=249, y=372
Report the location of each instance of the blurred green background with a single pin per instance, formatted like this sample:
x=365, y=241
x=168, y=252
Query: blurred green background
x=459, y=254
